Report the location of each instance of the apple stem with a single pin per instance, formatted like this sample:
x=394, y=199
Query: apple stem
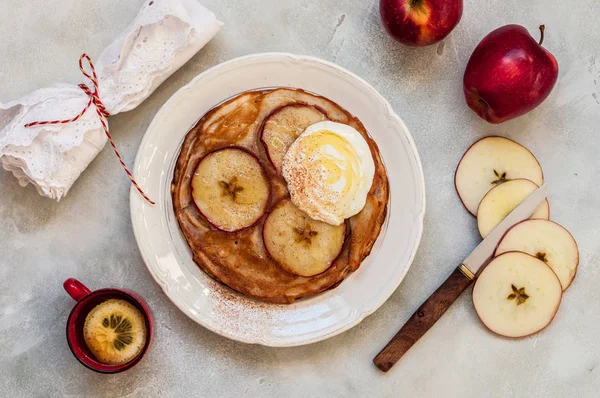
x=542, y=28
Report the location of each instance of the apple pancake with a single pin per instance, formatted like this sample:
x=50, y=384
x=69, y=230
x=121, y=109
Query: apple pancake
x=256, y=128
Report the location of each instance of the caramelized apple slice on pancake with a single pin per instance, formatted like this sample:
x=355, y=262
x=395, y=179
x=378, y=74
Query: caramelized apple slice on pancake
x=299, y=244
x=230, y=189
x=282, y=128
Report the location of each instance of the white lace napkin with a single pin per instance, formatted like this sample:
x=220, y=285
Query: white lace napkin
x=164, y=35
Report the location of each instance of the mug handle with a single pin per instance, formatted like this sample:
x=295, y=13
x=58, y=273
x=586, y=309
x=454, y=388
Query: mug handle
x=76, y=289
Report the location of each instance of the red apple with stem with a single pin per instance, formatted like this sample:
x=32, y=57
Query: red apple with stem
x=420, y=22
x=509, y=74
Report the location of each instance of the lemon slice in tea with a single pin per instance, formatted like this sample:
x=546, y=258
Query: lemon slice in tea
x=115, y=332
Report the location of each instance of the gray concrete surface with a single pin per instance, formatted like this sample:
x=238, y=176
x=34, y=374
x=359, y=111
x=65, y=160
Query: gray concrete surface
x=88, y=235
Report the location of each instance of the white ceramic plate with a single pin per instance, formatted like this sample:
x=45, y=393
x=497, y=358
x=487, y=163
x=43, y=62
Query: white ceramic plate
x=219, y=308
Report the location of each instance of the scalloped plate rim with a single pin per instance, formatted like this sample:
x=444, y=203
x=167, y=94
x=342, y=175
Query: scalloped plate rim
x=356, y=315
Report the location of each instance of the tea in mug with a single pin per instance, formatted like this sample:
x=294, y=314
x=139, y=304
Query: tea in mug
x=115, y=332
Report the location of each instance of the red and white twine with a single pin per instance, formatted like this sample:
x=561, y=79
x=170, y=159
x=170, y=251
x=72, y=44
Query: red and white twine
x=103, y=114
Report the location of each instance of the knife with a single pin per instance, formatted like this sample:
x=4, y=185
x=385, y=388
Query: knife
x=437, y=304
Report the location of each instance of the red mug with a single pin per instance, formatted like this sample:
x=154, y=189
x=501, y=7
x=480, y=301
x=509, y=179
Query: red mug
x=86, y=301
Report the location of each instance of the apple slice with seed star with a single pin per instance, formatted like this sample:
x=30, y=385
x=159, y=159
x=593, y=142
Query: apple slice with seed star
x=490, y=162
x=282, y=128
x=516, y=295
x=299, y=244
x=502, y=199
x=230, y=188
x=547, y=241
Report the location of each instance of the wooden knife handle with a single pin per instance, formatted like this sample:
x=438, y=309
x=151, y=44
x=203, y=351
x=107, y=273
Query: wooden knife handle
x=423, y=319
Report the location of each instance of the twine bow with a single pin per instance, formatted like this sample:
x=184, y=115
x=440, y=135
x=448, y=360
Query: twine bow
x=103, y=114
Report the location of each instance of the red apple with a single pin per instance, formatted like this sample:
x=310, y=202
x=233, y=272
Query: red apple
x=420, y=22
x=509, y=74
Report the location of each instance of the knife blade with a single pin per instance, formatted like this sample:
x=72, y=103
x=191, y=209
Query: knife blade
x=484, y=251
x=437, y=304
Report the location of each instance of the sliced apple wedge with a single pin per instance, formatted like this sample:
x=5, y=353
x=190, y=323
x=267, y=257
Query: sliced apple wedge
x=299, y=244
x=230, y=188
x=502, y=199
x=490, y=162
x=516, y=295
x=282, y=128
x=547, y=241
